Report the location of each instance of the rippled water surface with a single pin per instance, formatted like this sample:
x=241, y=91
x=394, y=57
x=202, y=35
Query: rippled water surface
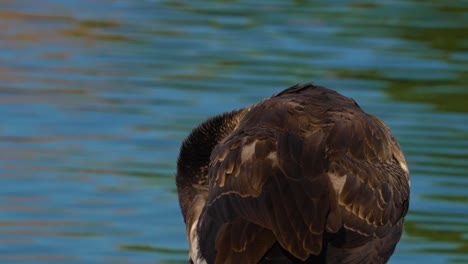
x=96, y=96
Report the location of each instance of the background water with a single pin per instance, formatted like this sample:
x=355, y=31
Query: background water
x=96, y=96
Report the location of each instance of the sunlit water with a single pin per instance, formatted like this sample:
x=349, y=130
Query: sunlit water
x=96, y=96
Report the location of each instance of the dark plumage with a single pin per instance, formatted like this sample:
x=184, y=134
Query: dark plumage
x=304, y=176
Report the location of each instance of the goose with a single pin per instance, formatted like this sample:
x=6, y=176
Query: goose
x=304, y=176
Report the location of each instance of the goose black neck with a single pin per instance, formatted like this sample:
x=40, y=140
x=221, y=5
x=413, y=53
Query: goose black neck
x=194, y=157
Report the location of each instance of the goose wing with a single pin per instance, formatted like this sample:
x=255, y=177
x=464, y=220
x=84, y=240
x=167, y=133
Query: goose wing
x=301, y=164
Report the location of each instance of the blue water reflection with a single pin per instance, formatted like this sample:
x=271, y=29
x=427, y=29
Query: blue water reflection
x=96, y=96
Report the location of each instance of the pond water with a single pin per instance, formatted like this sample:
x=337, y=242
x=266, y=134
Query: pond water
x=96, y=97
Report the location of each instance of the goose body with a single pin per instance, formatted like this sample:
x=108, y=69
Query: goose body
x=304, y=176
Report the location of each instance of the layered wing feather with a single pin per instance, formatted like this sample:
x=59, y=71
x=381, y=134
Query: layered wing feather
x=301, y=164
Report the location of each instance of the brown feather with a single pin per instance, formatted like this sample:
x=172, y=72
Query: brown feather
x=304, y=175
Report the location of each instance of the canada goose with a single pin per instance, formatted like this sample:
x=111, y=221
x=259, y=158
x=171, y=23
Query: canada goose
x=304, y=176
